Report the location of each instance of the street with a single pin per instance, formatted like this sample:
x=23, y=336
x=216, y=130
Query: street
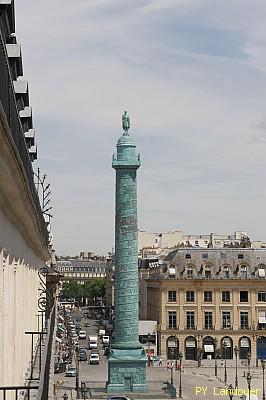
x=197, y=383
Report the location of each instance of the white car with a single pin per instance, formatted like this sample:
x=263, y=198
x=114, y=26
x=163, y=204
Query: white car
x=82, y=335
x=94, y=358
x=105, y=340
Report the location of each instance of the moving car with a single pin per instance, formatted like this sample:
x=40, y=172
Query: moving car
x=93, y=342
x=82, y=335
x=105, y=340
x=71, y=371
x=83, y=355
x=94, y=358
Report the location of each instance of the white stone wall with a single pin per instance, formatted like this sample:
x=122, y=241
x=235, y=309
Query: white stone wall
x=19, y=283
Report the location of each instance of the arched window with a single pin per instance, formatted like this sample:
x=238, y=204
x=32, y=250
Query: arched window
x=244, y=347
x=227, y=347
x=190, y=348
x=208, y=347
x=172, y=347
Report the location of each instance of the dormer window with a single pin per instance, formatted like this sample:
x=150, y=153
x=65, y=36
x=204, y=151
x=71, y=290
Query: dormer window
x=226, y=272
x=190, y=272
x=207, y=272
x=244, y=271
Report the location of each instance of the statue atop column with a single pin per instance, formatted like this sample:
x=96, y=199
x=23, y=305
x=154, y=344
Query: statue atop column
x=125, y=122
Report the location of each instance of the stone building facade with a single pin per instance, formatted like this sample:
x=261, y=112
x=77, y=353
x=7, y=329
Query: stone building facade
x=199, y=295
x=24, y=241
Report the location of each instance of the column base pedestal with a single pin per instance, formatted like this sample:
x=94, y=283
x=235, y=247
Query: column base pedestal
x=127, y=371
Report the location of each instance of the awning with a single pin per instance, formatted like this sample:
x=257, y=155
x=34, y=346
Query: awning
x=244, y=342
x=190, y=343
x=208, y=348
x=227, y=341
x=172, y=343
x=58, y=339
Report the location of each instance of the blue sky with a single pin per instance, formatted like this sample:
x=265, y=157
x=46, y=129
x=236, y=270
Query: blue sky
x=191, y=73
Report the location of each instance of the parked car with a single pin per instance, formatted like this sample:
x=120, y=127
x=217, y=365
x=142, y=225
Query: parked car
x=118, y=398
x=59, y=367
x=87, y=324
x=94, y=358
x=71, y=371
x=82, y=335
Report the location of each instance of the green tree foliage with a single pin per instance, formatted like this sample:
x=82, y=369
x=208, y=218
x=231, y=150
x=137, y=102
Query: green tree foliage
x=91, y=289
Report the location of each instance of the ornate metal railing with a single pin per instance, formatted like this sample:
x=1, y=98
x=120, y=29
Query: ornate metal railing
x=16, y=391
x=8, y=107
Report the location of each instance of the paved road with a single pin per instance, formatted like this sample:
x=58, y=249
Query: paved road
x=197, y=383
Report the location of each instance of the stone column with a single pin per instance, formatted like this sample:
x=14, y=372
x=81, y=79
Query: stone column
x=127, y=360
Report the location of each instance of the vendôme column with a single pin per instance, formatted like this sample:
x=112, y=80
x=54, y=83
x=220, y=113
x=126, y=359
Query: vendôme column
x=127, y=360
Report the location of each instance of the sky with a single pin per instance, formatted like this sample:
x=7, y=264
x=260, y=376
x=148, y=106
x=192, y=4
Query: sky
x=191, y=74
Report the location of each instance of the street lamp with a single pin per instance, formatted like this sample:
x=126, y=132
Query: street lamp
x=215, y=359
x=171, y=373
x=180, y=375
x=77, y=374
x=84, y=390
x=236, y=349
x=249, y=358
x=263, y=364
x=176, y=352
x=230, y=388
x=224, y=346
x=249, y=377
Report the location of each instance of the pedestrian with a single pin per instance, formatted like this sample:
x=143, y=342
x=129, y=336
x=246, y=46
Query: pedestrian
x=160, y=364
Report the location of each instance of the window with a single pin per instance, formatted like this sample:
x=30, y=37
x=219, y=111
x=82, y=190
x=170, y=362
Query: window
x=208, y=296
x=226, y=272
x=207, y=272
x=189, y=272
x=262, y=296
x=262, y=320
x=244, y=271
x=226, y=319
x=208, y=319
x=243, y=319
x=190, y=296
x=240, y=256
x=172, y=319
x=225, y=296
x=188, y=255
x=172, y=296
x=205, y=255
x=196, y=242
x=190, y=320
x=243, y=295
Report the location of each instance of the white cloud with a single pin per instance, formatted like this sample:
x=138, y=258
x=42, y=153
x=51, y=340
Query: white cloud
x=195, y=113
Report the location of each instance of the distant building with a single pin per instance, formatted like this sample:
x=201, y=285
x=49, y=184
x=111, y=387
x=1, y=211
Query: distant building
x=197, y=295
x=81, y=270
x=86, y=255
x=161, y=243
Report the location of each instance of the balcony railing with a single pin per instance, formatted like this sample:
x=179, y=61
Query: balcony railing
x=8, y=106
